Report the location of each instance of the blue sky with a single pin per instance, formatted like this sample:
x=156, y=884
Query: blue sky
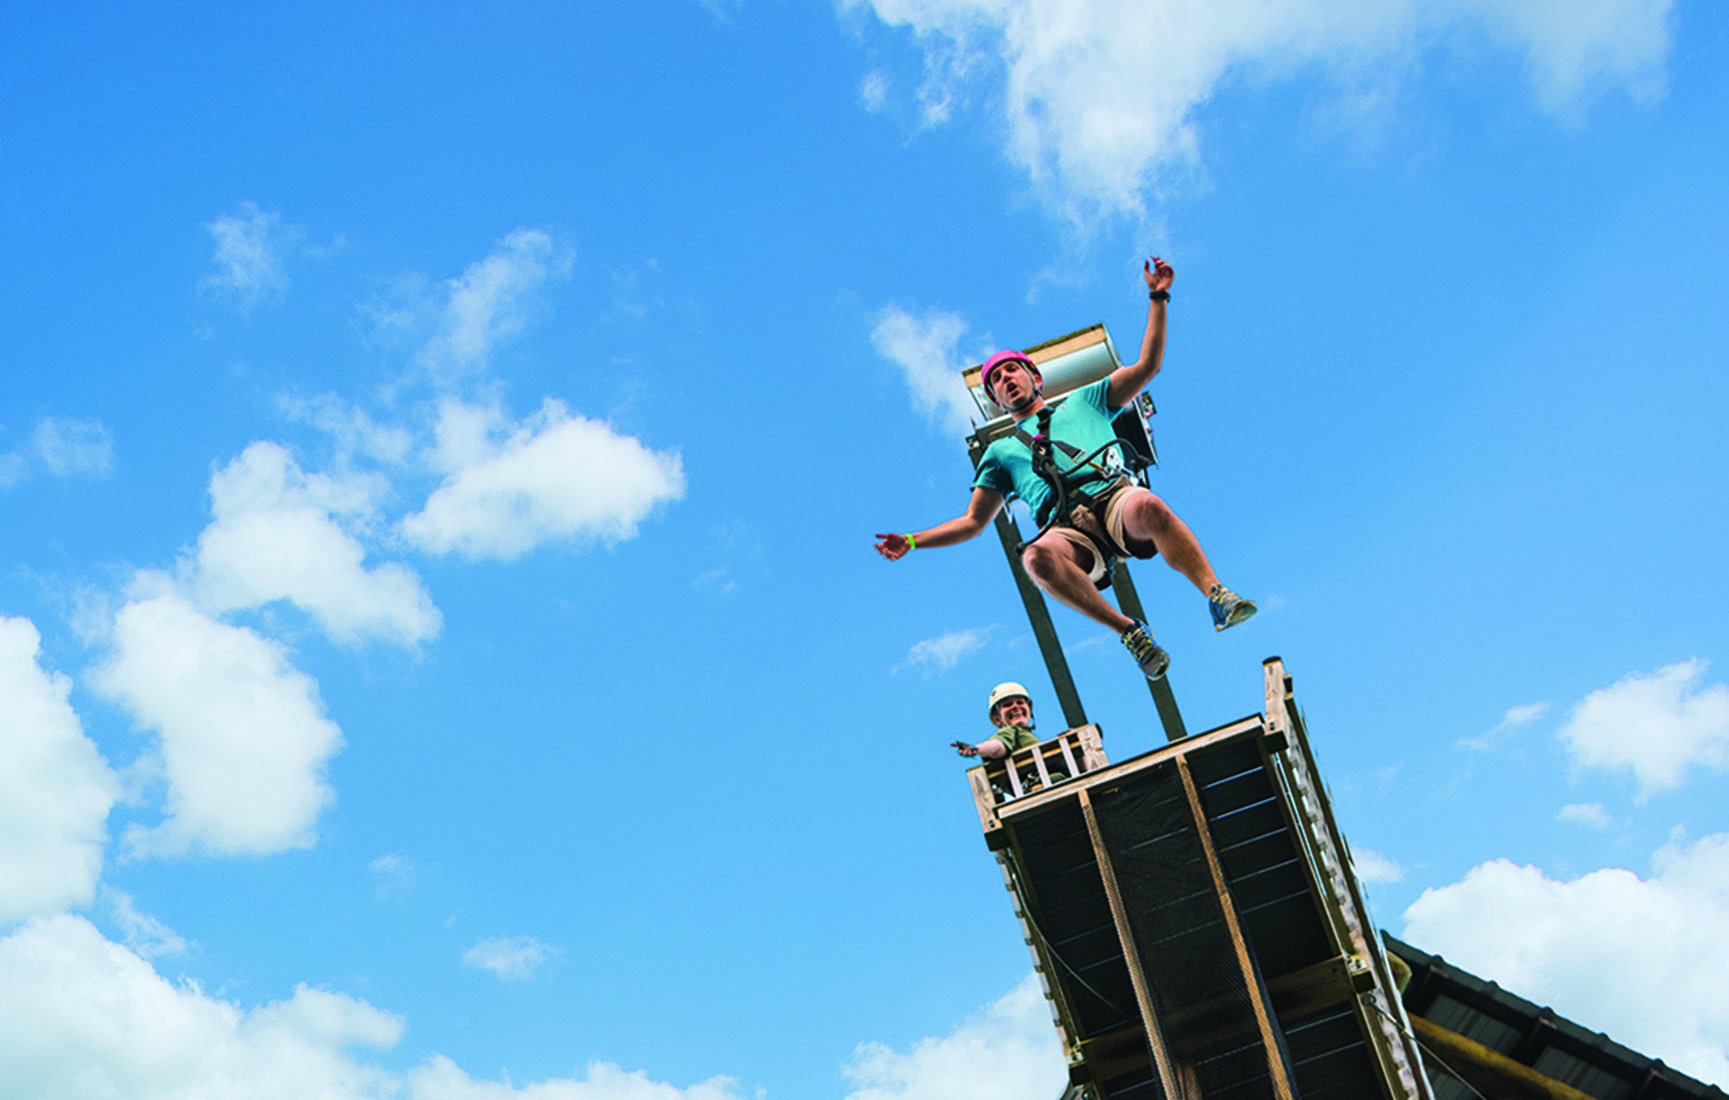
x=441, y=647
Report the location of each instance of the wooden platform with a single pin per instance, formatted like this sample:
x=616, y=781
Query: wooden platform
x=1196, y=921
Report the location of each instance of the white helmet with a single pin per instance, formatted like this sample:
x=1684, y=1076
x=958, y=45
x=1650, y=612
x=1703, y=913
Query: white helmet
x=1008, y=689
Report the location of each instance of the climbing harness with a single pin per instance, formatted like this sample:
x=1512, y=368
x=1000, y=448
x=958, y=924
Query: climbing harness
x=1070, y=505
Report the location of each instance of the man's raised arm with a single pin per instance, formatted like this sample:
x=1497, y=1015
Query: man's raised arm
x=980, y=511
x=1128, y=380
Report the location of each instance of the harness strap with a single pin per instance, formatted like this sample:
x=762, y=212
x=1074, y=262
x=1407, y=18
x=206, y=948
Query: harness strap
x=1073, y=453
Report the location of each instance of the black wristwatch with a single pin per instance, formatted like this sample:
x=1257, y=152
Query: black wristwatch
x=1160, y=295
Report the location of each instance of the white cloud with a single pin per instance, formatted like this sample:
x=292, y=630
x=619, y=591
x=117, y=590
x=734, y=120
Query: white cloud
x=1655, y=725
x=1008, y=1052
x=86, y=1019
x=492, y=300
x=554, y=477
x=512, y=958
x=351, y=428
x=1514, y=718
x=249, y=256
x=67, y=446
x=945, y=651
x=1100, y=98
x=1372, y=866
x=1592, y=815
x=143, y=933
x=873, y=90
x=1640, y=959
x=55, y=788
x=275, y=537
x=394, y=875
x=243, y=736
x=63, y=446
x=927, y=349
x=441, y=1079
x=1574, y=48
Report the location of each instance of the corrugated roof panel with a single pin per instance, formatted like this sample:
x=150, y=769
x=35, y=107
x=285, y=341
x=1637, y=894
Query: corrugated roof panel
x=1464, y=1020
x=1583, y=1076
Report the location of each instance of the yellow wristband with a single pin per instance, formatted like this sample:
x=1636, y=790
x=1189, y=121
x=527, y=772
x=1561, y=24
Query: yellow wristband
x=911, y=545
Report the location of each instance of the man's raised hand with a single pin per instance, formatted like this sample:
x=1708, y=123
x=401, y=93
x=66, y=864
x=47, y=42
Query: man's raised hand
x=893, y=546
x=965, y=749
x=1159, y=274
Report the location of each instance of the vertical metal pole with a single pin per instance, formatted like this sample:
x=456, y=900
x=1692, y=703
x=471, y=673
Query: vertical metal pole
x=1040, y=616
x=1130, y=601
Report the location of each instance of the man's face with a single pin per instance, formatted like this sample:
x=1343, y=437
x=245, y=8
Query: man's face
x=1015, y=711
x=1013, y=385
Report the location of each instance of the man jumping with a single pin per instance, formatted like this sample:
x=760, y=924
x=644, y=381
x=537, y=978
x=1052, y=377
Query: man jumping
x=1114, y=518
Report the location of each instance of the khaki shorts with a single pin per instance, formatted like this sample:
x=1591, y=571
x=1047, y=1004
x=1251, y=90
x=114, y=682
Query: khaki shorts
x=1113, y=527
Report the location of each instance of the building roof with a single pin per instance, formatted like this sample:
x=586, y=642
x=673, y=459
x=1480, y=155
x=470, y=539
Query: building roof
x=1533, y=1035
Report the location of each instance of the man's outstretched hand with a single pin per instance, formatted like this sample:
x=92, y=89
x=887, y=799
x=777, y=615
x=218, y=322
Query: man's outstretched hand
x=1159, y=274
x=893, y=547
x=965, y=749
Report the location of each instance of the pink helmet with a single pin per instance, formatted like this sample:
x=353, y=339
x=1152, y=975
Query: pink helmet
x=1007, y=355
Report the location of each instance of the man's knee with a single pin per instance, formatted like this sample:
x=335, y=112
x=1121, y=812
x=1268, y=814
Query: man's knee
x=1042, y=559
x=1148, y=512
x=1039, y=559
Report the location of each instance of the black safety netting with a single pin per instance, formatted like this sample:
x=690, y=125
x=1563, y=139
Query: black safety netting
x=1281, y=917
x=1199, y=992
x=1073, y=918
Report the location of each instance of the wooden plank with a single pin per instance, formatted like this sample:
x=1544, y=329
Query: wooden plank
x=1116, y=1053
x=1380, y=1014
x=1116, y=773
x=1168, y=1076
x=1092, y=745
x=1275, y=1057
x=1074, y=767
x=984, y=799
x=1039, y=766
x=1328, y=982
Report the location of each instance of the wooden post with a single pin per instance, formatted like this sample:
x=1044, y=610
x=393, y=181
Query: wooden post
x=1168, y=1076
x=1251, y=980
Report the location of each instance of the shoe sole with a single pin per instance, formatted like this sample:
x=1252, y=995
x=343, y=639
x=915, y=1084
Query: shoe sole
x=1159, y=673
x=1241, y=613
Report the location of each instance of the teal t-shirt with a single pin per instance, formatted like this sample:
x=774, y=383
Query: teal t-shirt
x=1083, y=421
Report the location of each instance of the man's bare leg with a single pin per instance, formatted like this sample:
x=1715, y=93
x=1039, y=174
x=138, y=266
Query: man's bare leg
x=1146, y=518
x=1053, y=563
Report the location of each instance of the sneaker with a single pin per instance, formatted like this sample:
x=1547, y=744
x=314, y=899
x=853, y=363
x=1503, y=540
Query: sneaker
x=1227, y=607
x=1150, y=655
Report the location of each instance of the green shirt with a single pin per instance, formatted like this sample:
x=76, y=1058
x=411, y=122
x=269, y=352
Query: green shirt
x=1014, y=738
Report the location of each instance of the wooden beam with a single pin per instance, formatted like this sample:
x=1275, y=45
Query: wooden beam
x=1168, y=1076
x=1251, y=978
x=1488, y=1071
x=1314, y=987
x=1119, y=772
